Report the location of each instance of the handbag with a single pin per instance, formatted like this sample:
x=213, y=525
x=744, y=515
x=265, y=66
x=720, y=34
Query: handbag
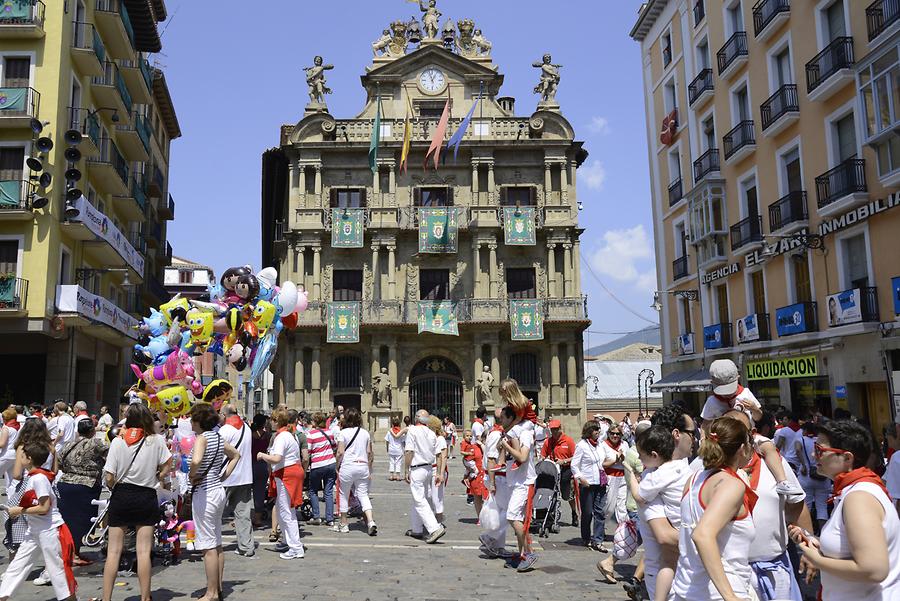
x=625, y=540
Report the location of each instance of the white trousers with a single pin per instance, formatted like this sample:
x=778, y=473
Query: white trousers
x=207, y=507
x=395, y=464
x=287, y=517
x=817, y=493
x=47, y=543
x=6, y=466
x=437, y=495
x=354, y=478
x=615, y=498
x=421, y=481
x=501, y=497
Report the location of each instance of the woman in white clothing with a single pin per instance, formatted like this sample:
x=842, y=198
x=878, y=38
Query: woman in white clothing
x=816, y=486
x=284, y=459
x=716, y=523
x=858, y=553
x=9, y=430
x=441, y=469
x=354, y=464
x=588, y=463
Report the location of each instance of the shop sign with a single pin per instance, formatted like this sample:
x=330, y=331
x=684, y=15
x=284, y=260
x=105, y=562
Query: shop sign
x=790, y=320
x=712, y=336
x=859, y=214
x=844, y=308
x=789, y=367
x=840, y=392
x=748, y=328
x=779, y=247
x=895, y=291
x=75, y=299
x=686, y=344
x=722, y=272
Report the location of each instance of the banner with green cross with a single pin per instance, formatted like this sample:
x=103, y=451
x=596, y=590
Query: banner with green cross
x=526, y=319
x=343, y=322
x=347, y=228
x=438, y=230
x=438, y=317
x=518, y=226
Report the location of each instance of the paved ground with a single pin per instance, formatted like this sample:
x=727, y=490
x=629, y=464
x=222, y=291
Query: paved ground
x=388, y=567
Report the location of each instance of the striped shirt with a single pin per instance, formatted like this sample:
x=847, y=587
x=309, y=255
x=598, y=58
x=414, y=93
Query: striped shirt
x=321, y=452
x=213, y=461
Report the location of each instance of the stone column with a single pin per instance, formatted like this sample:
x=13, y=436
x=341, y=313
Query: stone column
x=548, y=181
x=476, y=268
x=576, y=265
x=375, y=283
x=317, y=273
x=564, y=182
x=301, y=266
x=555, y=389
x=318, y=191
x=494, y=286
x=573, y=180
x=376, y=181
x=299, y=383
x=392, y=179
x=567, y=270
x=491, y=183
x=296, y=168
x=392, y=275
x=316, y=377
x=302, y=185
x=475, y=184
x=571, y=375
x=551, y=271
x=376, y=369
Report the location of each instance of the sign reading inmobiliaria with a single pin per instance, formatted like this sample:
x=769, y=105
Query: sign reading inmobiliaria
x=75, y=299
x=100, y=224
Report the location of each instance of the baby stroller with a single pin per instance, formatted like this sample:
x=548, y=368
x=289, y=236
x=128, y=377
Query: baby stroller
x=546, y=511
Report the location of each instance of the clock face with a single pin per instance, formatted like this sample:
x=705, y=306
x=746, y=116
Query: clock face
x=432, y=80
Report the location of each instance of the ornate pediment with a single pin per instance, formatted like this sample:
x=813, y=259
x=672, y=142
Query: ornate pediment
x=408, y=66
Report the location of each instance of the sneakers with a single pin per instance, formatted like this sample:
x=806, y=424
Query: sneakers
x=513, y=562
x=373, y=529
x=339, y=528
x=315, y=522
x=786, y=489
x=527, y=562
x=487, y=546
x=282, y=548
x=293, y=554
x=412, y=534
x=434, y=536
x=244, y=553
x=43, y=579
x=329, y=524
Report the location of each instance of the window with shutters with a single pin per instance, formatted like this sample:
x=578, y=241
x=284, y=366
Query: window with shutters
x=721, y=296
x=16, y=72
x=348, y=198
x=758, y=287
x=525, y=369
x=844, y=138
x=855, y=261
x=518, y=195
x=185, y=276
x=685, y=310
x=793, y=178
x=348, y=284
x=802, y=280
x=520, y=282
x=434, y=197
x=11, y=161
x=9, y=256
x=434, y=284
x=65, y=267
x=835, y=25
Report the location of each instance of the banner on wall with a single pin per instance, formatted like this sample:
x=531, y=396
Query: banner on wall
x=526, y=319
x=748, y=328
x=713, y=337
x=102, y=227
x=438, y=230
x=686, y=344
x=438, y=317
x=343, y=322
x=71, y=298
x=895, y=291
x=791, y=320
x=518, y=226
x=347, y=228
x=844, y=307
x=788, y=367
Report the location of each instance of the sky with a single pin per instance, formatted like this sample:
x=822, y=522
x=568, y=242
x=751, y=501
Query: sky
x=235, y=75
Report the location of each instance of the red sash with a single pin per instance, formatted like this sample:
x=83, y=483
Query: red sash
x=292, y=478
x=613, y=471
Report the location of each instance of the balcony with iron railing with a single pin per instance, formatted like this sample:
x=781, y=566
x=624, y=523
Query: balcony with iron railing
x=85, y=122
x=109, y=170
x=716, y=336
x=680, y=268
x=132, y=138
x=799, y=318
x=13, y=293
x=740, y=142
x=707, y=164
x=168, y=253
x=16, y=197
x=856, y=305
x=842, y=186
x=156, y=183
x=675, y=192
x=139, y=78
x=699, y=12
x=138, y=242
x=768, y=16
x=733, y=54
x=133, y=204
x=112, y=20
x=780, y=110
x=18, y=105
x=110, y=90
x=167, y=209
x=747, y=232
x=830, y=70
x=881, y=15
x=22, y=19
x=789, y=213
x=701, y=88
x=87, y=50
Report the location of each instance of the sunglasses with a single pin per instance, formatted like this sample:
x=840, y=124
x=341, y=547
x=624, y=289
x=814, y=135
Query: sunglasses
x=615, y=434
x=819, y=450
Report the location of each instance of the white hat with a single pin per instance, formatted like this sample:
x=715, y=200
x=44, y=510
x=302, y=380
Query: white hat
x=723, y=375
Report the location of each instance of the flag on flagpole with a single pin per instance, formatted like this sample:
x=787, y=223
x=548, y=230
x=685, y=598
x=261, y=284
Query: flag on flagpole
x=457, y=137
x=437, y=142
x=407, y=136
x=376, y=138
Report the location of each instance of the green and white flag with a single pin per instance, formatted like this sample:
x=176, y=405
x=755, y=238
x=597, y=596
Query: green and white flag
x=518, y=226
x=438, y=230
x=376, y=138
x=347, y=228
x=438, y=317
x=526, y=319
x=343, y=322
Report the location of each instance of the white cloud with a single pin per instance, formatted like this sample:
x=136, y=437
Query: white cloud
x=626, y=255
x=599, y=125
x=593, y=175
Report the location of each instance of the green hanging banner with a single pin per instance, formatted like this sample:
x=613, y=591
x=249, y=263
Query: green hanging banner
x=518, y=226
x=16, y=10
x=438, y=317
x=343, y=322
x=526, y=319
x=438, y=230
x=347, y=228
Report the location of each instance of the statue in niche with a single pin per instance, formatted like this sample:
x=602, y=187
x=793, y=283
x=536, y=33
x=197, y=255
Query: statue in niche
x=485, y=383
x=550, y=79
x=381, y=387
x=431, y=19
x=315, y=79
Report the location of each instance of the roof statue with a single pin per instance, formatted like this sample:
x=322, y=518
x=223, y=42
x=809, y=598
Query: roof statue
x=315, y=79
x=472, y=43
x=431, y=19
x=549, y=83
x=393, y=41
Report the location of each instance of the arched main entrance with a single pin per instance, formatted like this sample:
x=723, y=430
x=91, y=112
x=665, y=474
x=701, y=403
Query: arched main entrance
x=435, y=384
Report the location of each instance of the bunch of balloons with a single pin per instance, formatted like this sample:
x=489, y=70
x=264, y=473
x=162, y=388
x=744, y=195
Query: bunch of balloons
x=239, y=318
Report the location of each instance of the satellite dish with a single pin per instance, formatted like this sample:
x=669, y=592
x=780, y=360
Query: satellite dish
x=34, y=163
x=45, y=179
x=73, y=175
x=45, y=144
x=40, y=202
x=74, y=194
x=72, y=154
x=73, y=137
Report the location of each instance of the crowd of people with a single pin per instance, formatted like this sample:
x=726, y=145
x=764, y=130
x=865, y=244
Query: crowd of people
x=735, y=504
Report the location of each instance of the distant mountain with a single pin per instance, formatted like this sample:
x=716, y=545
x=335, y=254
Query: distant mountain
x=649, y=335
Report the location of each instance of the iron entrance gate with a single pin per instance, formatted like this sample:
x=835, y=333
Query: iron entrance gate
x=436, y=386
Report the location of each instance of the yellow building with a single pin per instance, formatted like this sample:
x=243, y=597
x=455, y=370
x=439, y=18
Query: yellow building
x=774, y=167
x=79, y=258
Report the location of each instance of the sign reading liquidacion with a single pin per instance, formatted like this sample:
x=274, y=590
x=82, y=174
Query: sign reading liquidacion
x=789, y=367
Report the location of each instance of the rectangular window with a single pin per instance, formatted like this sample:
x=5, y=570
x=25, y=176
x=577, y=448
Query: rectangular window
x=856, y=261
x=845, y=138
x=9, y=256
x=735, y=18
x=65, y=267
x=11, y=160
x=703, y=56
x=667, y=49
x=518, y=195
x=721, y=296
x=434, y=197
x=674, y=166
x=680, y=241
x=742, y=104
x=434, y=284
x=348, y=198
x=185, y=277
x=481, y=128
x=758, y=285
x=16, y=72
x=430, y=109
x=709, y=133
x=751, y=202
x=520, y=283
x=835, y=25
x=782, y=68
x=310, y=180
x=385, y=130
x=793, y=179
x=686, y=327
x=802, y=280
x=670, y=96
x=384, y=181
x=348, y=284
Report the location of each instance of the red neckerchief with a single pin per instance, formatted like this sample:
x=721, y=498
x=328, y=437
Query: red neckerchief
x=750, y=496
x=793, y=426
x=131, y=436
x=610, y=445
x=527, y=414
x=860, y=474
x=592, y=441
x=234, y=421
x=753, y=469
x=80, y=413
x=38, y=415
x=14, y=424
x=729, y=399
x=395, y=430
x=284, y=429
x=39, y=470
x=478, y=420
x=497, y=428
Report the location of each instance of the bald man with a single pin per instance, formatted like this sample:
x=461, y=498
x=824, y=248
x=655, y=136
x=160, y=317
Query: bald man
x=418, y=460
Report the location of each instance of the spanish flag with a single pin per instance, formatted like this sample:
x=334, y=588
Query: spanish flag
x=407, y=136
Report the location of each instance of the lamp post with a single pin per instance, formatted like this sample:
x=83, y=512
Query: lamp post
x=649, y=373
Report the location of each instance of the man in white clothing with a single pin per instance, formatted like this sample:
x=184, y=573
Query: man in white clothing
x=64, y=426
x=418, y=460
x=478, y=426
x=239, y=486
x=106, y=421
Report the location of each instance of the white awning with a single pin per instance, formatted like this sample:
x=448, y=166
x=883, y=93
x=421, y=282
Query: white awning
x=689, y=380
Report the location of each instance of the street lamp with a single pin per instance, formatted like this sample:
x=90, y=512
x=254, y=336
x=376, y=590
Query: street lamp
x=596, y=382
x=806, y=240
x=82, y=275
x=650, y=374
x=690, y=295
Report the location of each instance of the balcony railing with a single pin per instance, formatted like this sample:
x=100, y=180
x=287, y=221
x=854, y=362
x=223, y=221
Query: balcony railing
x=798, y=318
x=742, y=136
x=112, y=77
x=782, y=102
x=138, y=242
x=746, y=231
x=880, y=15
x=169, y=252
x=788, y=209
x=118, y=6
x=83, y=121
x=847, y=178
x=16, y=195
x=675, y=192
x=765, y=12
x=85, y=37
x=706, y=164
x=19, y=101
x=716, y=336
x=701, y=83
x=680, y=268
x=143, y=130
x=699, y=12
x=734, y=48
x=22, y=12
x=13, y=293
x=836, y=56
x=109, y=153
x=856, y=305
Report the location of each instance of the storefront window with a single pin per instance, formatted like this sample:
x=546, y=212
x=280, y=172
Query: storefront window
x=811, y=394
x=766, y=392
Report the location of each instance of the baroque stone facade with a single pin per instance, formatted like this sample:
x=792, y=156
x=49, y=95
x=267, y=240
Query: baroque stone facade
x=504, y=160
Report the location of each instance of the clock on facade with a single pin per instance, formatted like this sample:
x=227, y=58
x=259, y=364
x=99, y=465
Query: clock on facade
x=432, y=81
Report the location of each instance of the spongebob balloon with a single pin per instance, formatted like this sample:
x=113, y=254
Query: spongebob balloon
x=263, y=316
x=176, y=308
x=174, y=401
x=200, y=323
